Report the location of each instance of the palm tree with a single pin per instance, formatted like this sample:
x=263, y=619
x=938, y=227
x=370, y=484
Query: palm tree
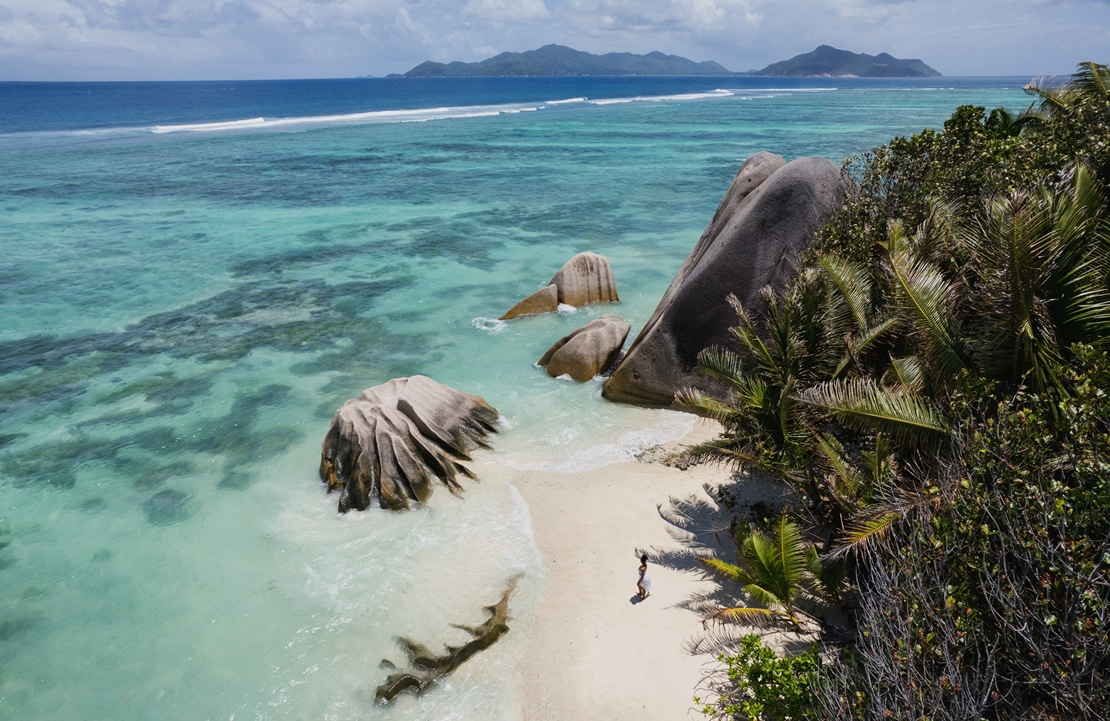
x=788, y=347
x=775, y=569
x=851, y=308
x=1041, y=262
x=1090, y=80
x=1004, y=123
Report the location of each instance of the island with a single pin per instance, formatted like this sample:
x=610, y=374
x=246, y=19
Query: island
x=827, y=61
x=561, y=60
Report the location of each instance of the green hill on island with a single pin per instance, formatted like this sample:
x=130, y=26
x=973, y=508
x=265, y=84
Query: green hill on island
x=561, y=60
x=829, y=61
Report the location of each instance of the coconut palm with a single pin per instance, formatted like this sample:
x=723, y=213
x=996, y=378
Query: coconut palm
x=851, y=309
x=787, y=347
x=1042, y=261
x=1090, y=80
x=1006, y=124
x=775, y=570
x=928, y=301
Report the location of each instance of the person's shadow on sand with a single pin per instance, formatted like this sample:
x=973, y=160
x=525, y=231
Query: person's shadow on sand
x=636, y=599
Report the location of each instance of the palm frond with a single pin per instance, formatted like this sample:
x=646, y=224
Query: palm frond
x=724, y=365
x=716, y=409
x=848, y=480
x=864, y=532
x=749, y=338
x=730, y=450
x=726, y=569
x=909, y=418
x=853, y=285
x=908, y=372
x=750, y=615
x=927, y=297
x=1092, y=79
x=776, y=563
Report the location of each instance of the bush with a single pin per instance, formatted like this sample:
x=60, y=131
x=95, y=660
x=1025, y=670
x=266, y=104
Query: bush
x=765, y=686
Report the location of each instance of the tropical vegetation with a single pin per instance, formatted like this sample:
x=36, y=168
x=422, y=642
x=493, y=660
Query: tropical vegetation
x=934, y=383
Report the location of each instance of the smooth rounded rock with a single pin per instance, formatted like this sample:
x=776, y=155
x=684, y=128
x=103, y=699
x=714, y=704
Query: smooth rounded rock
x=769, y=215
x=544, y=300
x=391, y=442
x=586, y=278
x=588, y=351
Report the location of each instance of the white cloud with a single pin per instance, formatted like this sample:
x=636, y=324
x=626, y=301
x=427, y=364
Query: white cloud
x=105, y=39
x=507, y=10
x=658, y=16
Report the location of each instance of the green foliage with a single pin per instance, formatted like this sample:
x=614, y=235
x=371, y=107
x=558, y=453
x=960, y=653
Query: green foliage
x=775, y=568
x=765, y=686
x=997, y=602
x=935, y=385
x=975, y=156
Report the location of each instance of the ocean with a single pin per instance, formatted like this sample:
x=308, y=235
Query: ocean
x=193, y=278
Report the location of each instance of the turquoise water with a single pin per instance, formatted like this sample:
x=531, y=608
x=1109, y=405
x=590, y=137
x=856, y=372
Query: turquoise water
x=187, y=298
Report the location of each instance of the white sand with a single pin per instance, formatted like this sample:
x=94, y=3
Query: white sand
x=595, y=653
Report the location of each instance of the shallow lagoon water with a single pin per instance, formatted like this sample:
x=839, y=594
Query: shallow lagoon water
x=185, y=305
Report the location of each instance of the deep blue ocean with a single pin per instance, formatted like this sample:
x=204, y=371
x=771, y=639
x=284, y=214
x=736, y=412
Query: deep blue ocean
x=194, y=276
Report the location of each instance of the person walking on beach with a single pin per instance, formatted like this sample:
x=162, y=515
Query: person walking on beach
x=643, y=584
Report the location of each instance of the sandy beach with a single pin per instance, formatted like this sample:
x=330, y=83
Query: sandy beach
x=598, y=652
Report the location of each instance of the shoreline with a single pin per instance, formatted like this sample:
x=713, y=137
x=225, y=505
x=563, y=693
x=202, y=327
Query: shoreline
x=596, y=651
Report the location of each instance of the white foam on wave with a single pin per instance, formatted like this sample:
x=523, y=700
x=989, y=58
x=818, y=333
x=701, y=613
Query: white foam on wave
x=719, y=93
x=453, y=112
x=202, y=127
x=489, y=325
x=567, y=309
x=377, y=116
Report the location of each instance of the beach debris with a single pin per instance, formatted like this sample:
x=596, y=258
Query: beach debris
x=769, y=215
x=589, y=350
x=425, y=668
x=586, y=278
x=395, y=438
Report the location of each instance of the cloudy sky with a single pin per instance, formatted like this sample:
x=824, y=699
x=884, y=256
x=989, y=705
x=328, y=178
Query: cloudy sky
x=239, y=39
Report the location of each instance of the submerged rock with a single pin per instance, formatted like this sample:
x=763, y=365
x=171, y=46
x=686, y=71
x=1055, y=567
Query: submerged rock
x=166, y=507
x=588, y=351
x=426, y=668
x=769, y=215
x=395, y=438
x=586, y=278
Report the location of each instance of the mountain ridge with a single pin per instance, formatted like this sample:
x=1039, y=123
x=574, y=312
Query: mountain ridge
x=561, y=60
x=827, y=61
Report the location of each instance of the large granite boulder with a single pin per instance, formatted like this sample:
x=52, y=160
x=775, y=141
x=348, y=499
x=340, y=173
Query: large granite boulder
x=588, y=351
x=544, y=300
x=394, y=439
x=769, y=215
x=586, y=278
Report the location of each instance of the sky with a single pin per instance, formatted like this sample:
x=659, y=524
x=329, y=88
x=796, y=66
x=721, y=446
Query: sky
x=270, y=39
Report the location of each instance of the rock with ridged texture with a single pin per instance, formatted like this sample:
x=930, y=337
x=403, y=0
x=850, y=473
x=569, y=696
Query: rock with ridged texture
x=395, y=439
x=544, y=300
x=586, y=278
x=770, y=213
x=588, y=351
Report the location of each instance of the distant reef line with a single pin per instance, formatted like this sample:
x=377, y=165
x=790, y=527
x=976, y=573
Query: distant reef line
x=559, y=60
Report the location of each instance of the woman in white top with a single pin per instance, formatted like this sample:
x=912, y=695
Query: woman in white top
x=643, y=584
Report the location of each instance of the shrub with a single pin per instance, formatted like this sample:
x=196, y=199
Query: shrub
x=764, y=686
